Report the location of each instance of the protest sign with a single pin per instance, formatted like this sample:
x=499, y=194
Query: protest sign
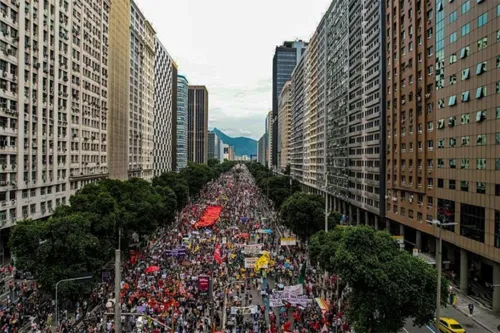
x=250, y=262
x=278, y=299
x=253, y=248
x=244, y=310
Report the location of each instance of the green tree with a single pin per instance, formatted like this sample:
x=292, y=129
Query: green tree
x=62, y=247
x=213, y=162
x=303, y=213
x=197, y=175
x=388, y=285
x=177, y=183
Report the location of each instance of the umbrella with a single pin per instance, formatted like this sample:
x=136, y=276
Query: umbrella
x=152, y=269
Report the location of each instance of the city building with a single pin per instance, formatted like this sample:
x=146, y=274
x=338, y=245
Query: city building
x=296, y=147
x=261, y=150
x=228, y=152
x=141, y=95
x=118, y=88
x=284, y=128
x=182, y=121
x=219, y=149
x=444, y=96
x=211, y=145
x=286, y=57
x=269, y=138
x=197, y=124
x=315, y=111
x=53, y=105
x=165, y=111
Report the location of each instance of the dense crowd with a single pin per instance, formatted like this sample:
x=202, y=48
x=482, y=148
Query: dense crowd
x=163, y=283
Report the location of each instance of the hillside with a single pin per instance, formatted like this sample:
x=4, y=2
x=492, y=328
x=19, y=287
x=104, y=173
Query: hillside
x=242, y=145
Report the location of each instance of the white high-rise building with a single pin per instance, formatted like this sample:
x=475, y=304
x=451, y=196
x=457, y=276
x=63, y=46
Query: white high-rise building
x=53, y=103
x=141, y=96
x=165, y=111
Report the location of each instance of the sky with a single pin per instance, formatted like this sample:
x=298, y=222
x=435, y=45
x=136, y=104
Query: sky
x=228, y=46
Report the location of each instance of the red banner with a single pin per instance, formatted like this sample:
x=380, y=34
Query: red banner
x=210, y=216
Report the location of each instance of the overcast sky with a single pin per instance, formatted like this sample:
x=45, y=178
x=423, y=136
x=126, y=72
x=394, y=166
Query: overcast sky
x=228, y=45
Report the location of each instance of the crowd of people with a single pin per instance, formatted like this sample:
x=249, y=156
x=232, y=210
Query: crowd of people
x=199, y=275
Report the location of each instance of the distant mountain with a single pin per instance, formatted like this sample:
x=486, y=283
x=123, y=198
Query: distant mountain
x=242, y=145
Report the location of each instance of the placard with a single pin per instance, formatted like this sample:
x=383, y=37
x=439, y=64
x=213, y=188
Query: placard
x=250, y=262
x=289, y=241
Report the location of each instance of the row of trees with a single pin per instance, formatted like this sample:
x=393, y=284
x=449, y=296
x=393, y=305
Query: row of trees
x=388, y=286
x=81, y=238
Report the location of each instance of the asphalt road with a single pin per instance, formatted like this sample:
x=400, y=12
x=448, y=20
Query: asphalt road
x=449, y=312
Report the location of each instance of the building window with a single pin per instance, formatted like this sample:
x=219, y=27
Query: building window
x=452, y=184
x=497, y=164
x=453, y=163
x=482, y=43
x=482, y=20
x=497, y=221
x=446, y=213
x=465, y=7
x=440, y=182
x=464, y=163
x=440, y=163
x=465, y=141
x=452, y=100
x=453, y=37
x=464, y=52
x=465, y=119
x=453, y=58
x=497, y=138
x=480, y=188
x=464, y=186
x=465, y=29
x=453, y=16
x=472, y=222
x=453, y=142
x=465, y=74
x=480, y=116
x=498, y=87
x=465, y=96
x=480, y=92
x=481, y=164
x=481, y=140
x=481, y=68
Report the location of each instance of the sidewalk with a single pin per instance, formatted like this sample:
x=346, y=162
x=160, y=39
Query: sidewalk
x=482, y=316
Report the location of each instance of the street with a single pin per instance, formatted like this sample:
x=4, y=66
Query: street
x=449, y=312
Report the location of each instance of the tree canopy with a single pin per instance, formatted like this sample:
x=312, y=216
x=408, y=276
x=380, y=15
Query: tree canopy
x=388, y=285
x=304, y=214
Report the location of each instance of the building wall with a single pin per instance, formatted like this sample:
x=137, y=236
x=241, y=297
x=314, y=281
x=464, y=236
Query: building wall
x=284, y=128
x=315, y=109
x=118, y=85
x=163, y=110
x=141, y=101
x=211, y=145
x=182, y=121
x=198, y=124
x=53, y=107
x=261, y=150
x=297, y=121
x=269, y=138
x=286, y=57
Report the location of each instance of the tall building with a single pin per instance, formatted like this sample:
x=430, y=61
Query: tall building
x=315, y=110
x=165, y=111
x=53, y=104
x=261, y=150
x=286, y=57
x=211, y=145
x=118, y=87
x=141, y=96
x=197, y=124
x=269, y=138
x=182, y=121
x=296, y=149
x=218, y=149
x=284, y=128
x=443, y=110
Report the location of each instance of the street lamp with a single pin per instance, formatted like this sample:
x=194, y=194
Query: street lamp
x=439, y=260
x=57, y=286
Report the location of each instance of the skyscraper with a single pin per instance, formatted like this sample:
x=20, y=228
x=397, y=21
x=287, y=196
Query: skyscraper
x=211, y=145
x=284, y=128
x=269, y=138
x=286, y=57
x=54, y=114
x=297, y=121
x=261, y=150
x=182, y=121
x=197, y=124
x=165, y=111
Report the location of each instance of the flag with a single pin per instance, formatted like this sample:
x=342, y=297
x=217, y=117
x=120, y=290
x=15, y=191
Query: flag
x=302, y=276
x=217, y=255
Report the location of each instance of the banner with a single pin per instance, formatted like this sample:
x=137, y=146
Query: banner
x=253, y=249
x=244, y=310
x=250, y=262
x=295, y=290
x=263, y=261
x=178, y=252
x=210, y=216
x=203, y=284
x=290, y=241
x=278, y=300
